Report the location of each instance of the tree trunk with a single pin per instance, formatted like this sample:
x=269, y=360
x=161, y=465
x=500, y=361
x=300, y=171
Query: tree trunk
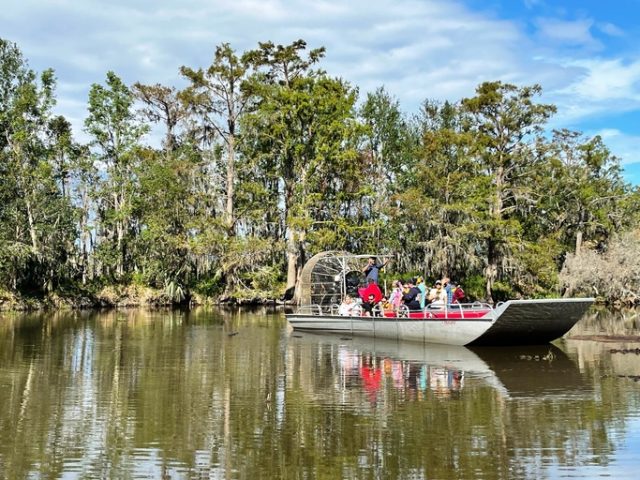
x=295, y=259
x=121, y=223
x=580, y=231
x=491, y=270
x=83, y=236
x=119, y=235
x=32, y=229
x=231, y=174
x=495, y=212
x=578, y=242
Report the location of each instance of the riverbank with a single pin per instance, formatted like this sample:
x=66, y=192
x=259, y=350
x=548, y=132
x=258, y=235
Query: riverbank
x=130, y=296
x=135, y=296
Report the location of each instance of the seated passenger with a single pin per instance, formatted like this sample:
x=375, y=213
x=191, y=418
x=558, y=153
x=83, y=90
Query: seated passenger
x=385, y=305
x=458, y=294
x=370, y=289
x=347, y=307
x=420, y=285
x=438, y=295
x=367, y=307
x=411, y=296
x=395, y=299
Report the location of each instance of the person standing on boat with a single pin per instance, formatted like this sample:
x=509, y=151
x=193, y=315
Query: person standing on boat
x=373, y=269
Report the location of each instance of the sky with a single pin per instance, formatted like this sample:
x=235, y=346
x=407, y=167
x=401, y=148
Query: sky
x=585, y=54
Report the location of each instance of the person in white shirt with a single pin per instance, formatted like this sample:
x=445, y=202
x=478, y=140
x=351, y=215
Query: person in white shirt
x=347, y=307
x=438, y=295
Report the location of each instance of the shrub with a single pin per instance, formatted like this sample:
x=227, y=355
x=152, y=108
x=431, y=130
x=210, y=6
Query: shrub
x=613, y=275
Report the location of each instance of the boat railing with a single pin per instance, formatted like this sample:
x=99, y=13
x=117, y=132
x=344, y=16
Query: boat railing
x=312, y=309
x=459, y=310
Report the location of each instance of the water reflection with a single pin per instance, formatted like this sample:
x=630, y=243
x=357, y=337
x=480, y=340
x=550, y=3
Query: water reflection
x=220, y=394
x=416, y=371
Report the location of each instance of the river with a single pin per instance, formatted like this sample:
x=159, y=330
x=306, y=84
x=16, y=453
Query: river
x=236, y=395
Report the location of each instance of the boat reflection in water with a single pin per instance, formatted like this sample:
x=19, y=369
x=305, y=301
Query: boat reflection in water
x=418, y=371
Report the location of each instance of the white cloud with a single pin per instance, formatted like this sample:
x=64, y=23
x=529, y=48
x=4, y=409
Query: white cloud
x=601, y=86
x=418, y=49
x=610, y=29
x=567, y=32
x=607, y=80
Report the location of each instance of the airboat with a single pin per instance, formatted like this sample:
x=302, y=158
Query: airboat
x=329, y=276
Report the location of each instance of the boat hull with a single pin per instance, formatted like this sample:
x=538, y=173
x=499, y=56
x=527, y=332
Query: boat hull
x=516, y=322
x=533, y=322
x=449, y=332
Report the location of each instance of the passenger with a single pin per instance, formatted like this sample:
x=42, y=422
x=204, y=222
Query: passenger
x=432, y=292
x=448, y=287
x=410, y=297
x=347, y=307
x=367, y=307
x=372, y=288
x=385, y=306
x=373, y=269
x=423, y=291
x=395, y=299
x=438, y=294
x=458, y=294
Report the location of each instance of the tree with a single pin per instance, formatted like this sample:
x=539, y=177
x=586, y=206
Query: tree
x=589, y=188
x=301, y=132
x=506, y=121
x=115, y=134
x=162, y=105
x=437, y=209
x=388, y=152
x=218, y=98
x=36, y=231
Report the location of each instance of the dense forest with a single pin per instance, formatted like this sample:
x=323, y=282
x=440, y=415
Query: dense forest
x=225, y=187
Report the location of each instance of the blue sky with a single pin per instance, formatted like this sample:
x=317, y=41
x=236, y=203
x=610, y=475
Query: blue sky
x=585, y=54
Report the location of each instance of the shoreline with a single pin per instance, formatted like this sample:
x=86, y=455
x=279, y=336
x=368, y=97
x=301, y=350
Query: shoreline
x=132, y=296
x=124, y=297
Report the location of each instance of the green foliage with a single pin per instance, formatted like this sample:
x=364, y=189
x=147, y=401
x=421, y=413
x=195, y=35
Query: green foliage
x=211, y=286
x=266, y=279
x=174, y=291
x=502, y=291
x=36, y=219
x=302, y=134
x=266, y=160
x=474, y=287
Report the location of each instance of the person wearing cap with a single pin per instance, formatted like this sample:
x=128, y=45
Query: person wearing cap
x=438, y=295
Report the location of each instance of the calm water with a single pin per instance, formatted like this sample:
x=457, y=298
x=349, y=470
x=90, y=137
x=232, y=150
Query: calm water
x=210, y=394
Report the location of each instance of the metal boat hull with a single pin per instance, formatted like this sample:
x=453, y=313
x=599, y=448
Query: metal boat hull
x=516, y=322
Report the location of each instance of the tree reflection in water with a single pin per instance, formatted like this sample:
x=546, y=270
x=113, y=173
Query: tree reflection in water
x=153, y=394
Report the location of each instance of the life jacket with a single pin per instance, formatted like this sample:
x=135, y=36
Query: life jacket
x=371, y=289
